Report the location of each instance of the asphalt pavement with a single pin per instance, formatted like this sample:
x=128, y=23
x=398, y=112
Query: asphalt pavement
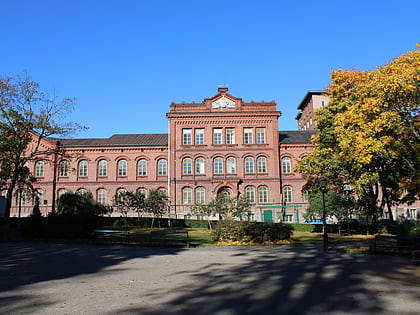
x=39, y=278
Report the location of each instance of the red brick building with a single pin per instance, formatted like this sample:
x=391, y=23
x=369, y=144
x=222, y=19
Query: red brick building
x=221, y=145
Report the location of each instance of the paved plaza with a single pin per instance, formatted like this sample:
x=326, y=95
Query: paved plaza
x=38, y=278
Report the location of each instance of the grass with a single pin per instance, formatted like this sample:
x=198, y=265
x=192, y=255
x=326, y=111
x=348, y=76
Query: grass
x=202, y=237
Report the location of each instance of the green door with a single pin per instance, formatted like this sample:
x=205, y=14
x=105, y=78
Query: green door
x=268, y=215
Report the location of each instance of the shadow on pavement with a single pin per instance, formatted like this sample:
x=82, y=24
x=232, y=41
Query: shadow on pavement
x=299, y=281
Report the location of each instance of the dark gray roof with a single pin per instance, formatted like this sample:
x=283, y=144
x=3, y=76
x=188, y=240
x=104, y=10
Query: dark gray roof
x=294, y=136
x=119, y=140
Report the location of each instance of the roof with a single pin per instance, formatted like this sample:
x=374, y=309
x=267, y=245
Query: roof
x=285, y=137
x=119, y=140
x=308, y=97
x=296, y=136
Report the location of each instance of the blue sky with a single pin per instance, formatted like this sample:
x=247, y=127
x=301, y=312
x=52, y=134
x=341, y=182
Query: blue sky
x=126, y=61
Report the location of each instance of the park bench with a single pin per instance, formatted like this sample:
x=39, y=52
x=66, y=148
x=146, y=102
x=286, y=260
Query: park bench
x=114, y=235
x=169, y=237
x=392, y=244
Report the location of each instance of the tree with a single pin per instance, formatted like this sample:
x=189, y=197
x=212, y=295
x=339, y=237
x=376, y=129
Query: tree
x=339, y=206
x=237, y=207
x=27, y=117
x=73, y=204
x=369, y=135
x=126, y=201
x=156, y=203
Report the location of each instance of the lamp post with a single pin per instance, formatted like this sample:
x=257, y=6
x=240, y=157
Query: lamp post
x=21, y=183
x=323, y=185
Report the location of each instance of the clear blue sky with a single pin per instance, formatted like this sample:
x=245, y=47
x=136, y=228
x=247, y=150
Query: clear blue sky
x=127, y=60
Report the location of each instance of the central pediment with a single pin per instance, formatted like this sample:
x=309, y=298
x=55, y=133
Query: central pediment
x=223, y=102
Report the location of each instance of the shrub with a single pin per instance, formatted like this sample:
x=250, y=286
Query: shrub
x=256, y=232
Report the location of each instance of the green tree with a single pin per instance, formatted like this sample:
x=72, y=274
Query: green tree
x=339, y=206
x=156, y=203
x=73, y=204
x=237, y=207
x=27, y=117
x=126, y=201
x=369, y=135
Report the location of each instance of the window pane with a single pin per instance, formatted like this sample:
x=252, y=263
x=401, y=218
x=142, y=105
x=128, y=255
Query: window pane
x=249, y=165
x=230, y=136
x=231, y=165
x=122, y=168
x=162, y=167
x=262, y=164
x=101, y=196
x=64, y=169
x=250, y=194
x=217, y=136
x=218, y=166
x=260, y=135
x=39, y=169
x=199, y=195
x=187, y=136
x=287, y=194
x=187, y=196
x=286, y=165
x=187, y=166
x=199, y=166
x=102, y=168
x=83, y=168
x=263, y=194
x=248, y=139
x=142, y=168
x=199, y=136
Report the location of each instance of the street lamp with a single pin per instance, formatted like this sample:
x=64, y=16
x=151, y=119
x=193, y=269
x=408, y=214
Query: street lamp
x=322, y=181
x=21, y=183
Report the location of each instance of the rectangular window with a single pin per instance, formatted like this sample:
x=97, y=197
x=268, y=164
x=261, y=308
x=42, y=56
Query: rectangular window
x=261, y=135
x=186, y=136
x=199, y=136
x=230, y=136
x=248, y=139
x=217, y=136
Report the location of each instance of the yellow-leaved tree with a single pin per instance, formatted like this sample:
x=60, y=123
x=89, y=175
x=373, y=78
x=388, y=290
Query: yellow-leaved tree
x=369, y=135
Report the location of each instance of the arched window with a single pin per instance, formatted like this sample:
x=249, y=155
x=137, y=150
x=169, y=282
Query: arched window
x=163, y=191
x=249, y=165
x=187, y=166
x=102, y=168
x=142, y=191
x=226, y=195
x=162, y=167
x=231, y=165
x=121, y=193
x=101, y=196
x=250, y=194
x=142, y=168
x=286, y=165
x=122, y=168
x=263, y=194
x=83, y=168
x=287, y=194
x=61, y=192
x=218, y=165
x=262, y=164
x=63, y=169
x=82, y=192
x=199, y=166
x=187, y=196
x=40, y=196
x=39, y=169
x=200, y=195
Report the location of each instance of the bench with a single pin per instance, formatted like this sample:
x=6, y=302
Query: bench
x=395, y=243
x=169, y=236
x=116, y=235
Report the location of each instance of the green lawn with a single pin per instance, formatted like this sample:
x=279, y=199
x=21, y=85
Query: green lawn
x=202, y=237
